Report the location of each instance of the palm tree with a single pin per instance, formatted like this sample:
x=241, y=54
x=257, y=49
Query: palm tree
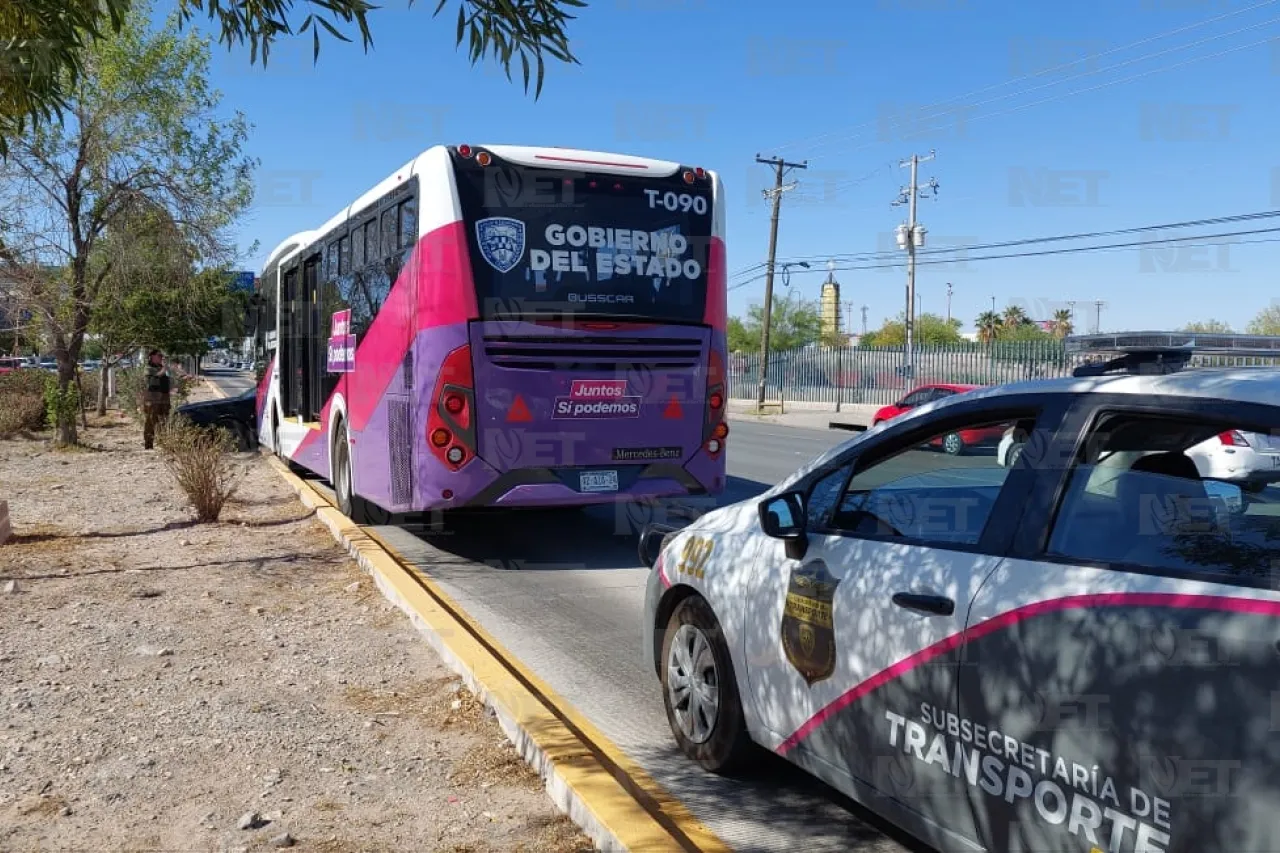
x=988, y=325
x=1014, y=316
x=1062, y=325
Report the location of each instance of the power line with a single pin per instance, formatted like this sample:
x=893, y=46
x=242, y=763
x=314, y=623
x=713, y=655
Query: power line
x=1194, y=223
x=1138, y=244
x=815, y=141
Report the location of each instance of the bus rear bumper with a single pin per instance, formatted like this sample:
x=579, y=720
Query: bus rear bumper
x=555, y=487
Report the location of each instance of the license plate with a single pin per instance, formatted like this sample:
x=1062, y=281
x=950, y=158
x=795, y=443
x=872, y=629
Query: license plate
x=598, y=481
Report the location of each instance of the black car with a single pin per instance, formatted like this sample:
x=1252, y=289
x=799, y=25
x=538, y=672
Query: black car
x=237, y=415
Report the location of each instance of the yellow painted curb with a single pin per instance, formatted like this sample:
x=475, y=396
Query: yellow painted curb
x=617, y=804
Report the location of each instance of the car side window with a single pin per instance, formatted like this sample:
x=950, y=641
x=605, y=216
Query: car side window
x=937, y=492
x=824, y=497
x=1165, y=494
x=915, y=398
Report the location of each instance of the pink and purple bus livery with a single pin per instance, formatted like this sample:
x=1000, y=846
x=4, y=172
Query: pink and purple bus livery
x=501, y=326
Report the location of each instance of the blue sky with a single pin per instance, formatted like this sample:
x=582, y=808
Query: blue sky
x=851, y=87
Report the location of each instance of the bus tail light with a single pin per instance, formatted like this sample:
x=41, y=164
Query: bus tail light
x=451, y=422
x=716, y=429
x=483, y=158
x=464, y=150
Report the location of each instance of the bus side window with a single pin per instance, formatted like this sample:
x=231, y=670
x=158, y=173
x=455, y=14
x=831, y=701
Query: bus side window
x=357, y=248
x=389, y=235
x=370, y=242
x=408, y=224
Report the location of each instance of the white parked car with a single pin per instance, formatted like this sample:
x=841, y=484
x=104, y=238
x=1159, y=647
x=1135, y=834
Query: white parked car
x=1249, y=459
x=1077, y=652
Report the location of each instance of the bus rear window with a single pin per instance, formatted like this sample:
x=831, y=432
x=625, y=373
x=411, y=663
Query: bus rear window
x=562, y=242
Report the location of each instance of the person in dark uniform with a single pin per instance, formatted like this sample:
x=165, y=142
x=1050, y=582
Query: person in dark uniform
x=155, y=398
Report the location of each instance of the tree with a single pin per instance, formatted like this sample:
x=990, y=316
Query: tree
x=1014, y=316
x=792, y=325
x=151, y=293
x=1062, y=325
x=47, y=43
x=142, y=132
x=988, y=325
x=931, y=330
x=1208, y=327
x=1028, y=331
x=1267, y=322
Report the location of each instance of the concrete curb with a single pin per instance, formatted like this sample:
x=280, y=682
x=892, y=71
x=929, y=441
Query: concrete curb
x=614, y=802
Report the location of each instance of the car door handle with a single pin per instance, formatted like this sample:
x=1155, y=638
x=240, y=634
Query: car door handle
x=937, y=604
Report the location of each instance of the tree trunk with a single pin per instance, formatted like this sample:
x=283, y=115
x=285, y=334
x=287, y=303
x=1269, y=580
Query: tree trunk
x=67, y=434
x=104, y=377
x=84, y=413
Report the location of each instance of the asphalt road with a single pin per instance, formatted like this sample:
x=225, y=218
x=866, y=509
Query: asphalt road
x=565, y=592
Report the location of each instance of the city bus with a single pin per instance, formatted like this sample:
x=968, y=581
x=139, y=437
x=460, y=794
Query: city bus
x=502, y=326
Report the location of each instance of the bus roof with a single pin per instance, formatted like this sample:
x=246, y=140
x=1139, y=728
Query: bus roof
x=545, y=157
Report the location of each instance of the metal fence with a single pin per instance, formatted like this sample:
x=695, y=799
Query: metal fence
x=877, y=375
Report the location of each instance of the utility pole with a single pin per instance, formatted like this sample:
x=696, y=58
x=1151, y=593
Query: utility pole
x=864, y=320
x=948, y=303
x=911, y=236
x=1071, y=314
x=1097, y=327
x=781, y=167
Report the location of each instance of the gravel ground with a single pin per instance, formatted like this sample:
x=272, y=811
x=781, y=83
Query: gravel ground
x=230, y=686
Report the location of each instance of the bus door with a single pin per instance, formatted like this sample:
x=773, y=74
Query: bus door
x=314, y=346
x=288, y=344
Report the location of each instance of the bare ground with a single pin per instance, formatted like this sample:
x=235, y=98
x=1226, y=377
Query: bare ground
x=163, y=684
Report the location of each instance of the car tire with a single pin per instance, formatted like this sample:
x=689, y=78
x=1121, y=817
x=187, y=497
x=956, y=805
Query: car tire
x=952, y=444
x=1253, y=488
x=1011, y=459
x=711, y=730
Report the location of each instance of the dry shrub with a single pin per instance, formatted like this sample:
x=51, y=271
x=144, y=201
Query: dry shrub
x=201, y=462
x=22, y=413
x=22, y=409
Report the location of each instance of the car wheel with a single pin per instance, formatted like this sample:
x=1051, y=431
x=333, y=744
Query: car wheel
x=1253, y=488
x=953, y=444
x=700, y=691
x=1014, y=454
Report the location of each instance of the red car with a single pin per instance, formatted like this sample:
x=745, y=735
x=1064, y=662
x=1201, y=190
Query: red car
x=953, y=443
x=8, y=365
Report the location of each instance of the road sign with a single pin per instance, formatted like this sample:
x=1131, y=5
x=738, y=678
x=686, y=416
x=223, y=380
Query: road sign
x=244, y=281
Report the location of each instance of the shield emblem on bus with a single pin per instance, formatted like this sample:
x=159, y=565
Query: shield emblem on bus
x=808, y=629
x=501, y=242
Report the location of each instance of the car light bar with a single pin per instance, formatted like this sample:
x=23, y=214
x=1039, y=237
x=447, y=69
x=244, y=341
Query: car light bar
x=1188, y=342
x=1162, y=352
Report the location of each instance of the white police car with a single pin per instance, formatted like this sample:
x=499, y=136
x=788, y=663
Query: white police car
x=1076, y=652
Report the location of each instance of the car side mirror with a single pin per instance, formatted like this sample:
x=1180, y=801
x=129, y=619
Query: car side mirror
x=782, y=517
x=652, y=538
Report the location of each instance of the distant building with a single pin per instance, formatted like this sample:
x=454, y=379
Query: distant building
x=829, y=321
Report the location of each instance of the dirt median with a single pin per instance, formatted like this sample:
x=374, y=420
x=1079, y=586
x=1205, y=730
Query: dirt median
x=231, y=686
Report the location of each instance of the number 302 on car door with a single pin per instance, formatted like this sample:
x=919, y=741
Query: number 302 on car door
x=694, y=556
